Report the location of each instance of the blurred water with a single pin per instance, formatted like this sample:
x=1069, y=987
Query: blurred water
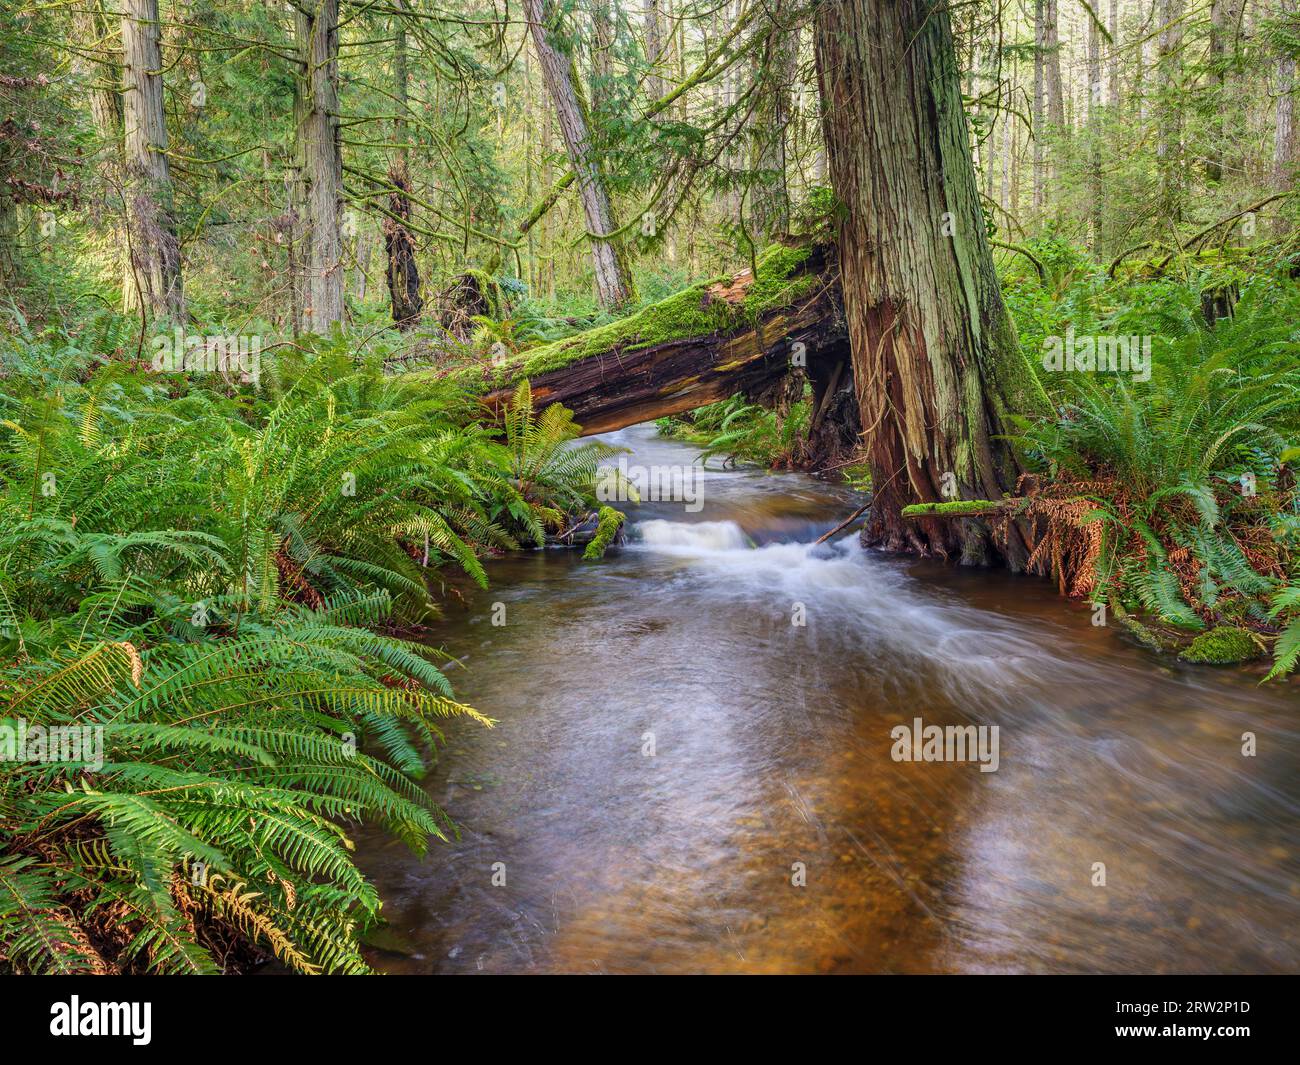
x=771, y=750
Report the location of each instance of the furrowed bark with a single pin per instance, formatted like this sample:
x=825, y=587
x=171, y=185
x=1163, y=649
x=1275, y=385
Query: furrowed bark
x=322, y=159
x=153, y=276
x=935, y=357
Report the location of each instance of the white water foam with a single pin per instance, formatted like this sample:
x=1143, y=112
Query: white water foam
x=869, y=605
x=675, y=537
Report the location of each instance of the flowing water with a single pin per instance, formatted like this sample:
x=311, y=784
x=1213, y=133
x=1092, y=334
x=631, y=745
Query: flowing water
x=682, y=778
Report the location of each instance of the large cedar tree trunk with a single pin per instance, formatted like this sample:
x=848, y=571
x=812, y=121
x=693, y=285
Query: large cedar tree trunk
x=935, y=359
x=153, y=269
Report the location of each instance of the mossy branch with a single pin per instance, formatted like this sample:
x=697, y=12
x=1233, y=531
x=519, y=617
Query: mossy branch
x=962, y=508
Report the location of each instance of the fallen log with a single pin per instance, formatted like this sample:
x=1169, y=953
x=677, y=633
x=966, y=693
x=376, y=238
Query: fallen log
x=704, y=344
x=964, y=508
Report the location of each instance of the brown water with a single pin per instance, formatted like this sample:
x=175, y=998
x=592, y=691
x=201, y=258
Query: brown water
x=771, y=747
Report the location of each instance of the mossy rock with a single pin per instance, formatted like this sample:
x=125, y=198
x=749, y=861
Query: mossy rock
x=1222, y=646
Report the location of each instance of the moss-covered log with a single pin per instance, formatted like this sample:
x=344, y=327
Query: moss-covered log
x=706, y=343
x=962, y=508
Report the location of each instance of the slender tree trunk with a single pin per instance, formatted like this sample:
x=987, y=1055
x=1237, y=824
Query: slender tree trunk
x=1095, y=110
x=1114, y=93
x=935, y=359
x=613, y=285
x=1220, y=28
x=654, y=46
x=1008, y=155
x=153, y=271
x=299, y=227
x=775, y=70
x=1057, y=120
x=1052, y=44
x=322, y=159
x=1039, y=115
x=548, y=179
x=1169, y=146
x=1284, y=118
x=103, y=72
x=403, y=273
x=9, y=253
x=602, y=47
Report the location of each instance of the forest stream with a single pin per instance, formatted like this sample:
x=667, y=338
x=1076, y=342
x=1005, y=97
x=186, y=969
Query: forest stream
x=681, y=779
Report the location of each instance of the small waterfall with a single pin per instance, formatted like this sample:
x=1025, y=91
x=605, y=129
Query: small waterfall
x=660, y=535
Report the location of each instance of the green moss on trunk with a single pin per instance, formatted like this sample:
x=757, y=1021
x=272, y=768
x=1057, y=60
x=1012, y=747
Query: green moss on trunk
x=960, y=508
x=693, y=312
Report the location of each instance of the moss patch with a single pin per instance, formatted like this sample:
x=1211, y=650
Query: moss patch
x=685, y=314
x=959, y=508
x=611, y=521
x=1137, y=630
x=1224, y=646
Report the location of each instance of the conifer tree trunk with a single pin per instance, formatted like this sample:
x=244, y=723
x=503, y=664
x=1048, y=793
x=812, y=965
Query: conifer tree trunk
x=935, y=358
x=1039, y=113
x=321, y=155
x=776, y=68
x=1220, y=28
x=153, y=270
x=103, y=73
x=1113, y=92
x=654, y=47
x=1169, y=146
x=9, y=251
x=1052, y=59
x=1284, y=120
x=403, y=272
x=1095, y=211
x=613, y=285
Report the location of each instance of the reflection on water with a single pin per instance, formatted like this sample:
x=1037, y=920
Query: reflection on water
x=672, y=749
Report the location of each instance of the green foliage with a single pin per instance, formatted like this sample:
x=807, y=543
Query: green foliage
x=201, y=582
x=737, y=430
x=549, y=474
x=1195, y=499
